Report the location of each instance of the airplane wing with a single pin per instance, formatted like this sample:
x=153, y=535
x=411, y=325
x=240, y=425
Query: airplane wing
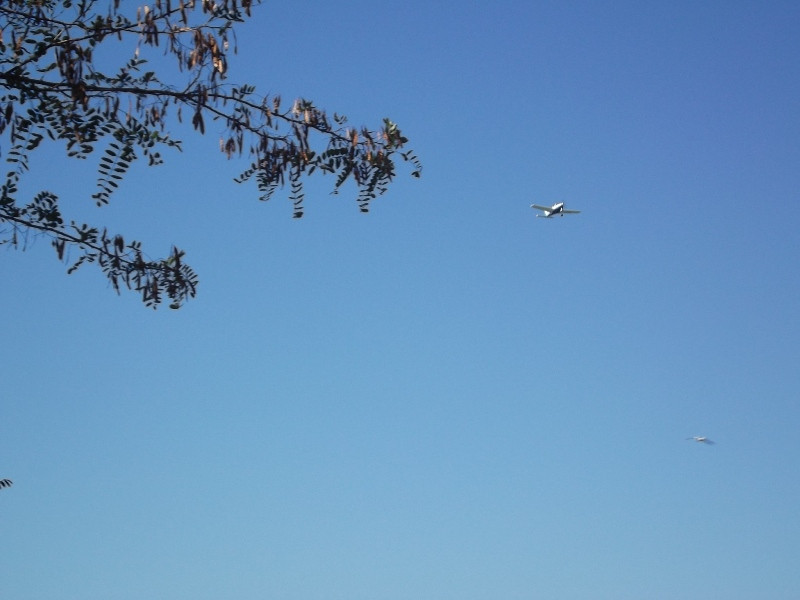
x=570, y=212
x=547, y=208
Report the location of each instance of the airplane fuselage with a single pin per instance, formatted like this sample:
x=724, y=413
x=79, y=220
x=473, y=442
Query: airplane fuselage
x=557, y=209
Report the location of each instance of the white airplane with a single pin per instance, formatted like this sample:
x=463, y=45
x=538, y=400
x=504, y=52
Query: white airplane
x=556, y=209
x=701, y=439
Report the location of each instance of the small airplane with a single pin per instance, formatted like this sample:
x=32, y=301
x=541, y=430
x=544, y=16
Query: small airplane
x=556, y=209
x=701, y=439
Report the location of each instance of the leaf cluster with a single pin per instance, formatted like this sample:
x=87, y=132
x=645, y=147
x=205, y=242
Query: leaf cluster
x=53, y=90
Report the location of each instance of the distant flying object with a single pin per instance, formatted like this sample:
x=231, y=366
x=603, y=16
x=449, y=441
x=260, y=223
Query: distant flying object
x=700, y=438
x=556, y=209
x=5, y=483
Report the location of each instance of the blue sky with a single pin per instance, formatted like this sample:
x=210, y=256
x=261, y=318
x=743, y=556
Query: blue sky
x=447, y=397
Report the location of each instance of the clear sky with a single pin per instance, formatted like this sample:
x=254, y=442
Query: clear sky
x=447, y=398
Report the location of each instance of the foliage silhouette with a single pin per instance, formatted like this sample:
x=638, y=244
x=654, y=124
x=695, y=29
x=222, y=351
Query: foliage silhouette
x=53, y=90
